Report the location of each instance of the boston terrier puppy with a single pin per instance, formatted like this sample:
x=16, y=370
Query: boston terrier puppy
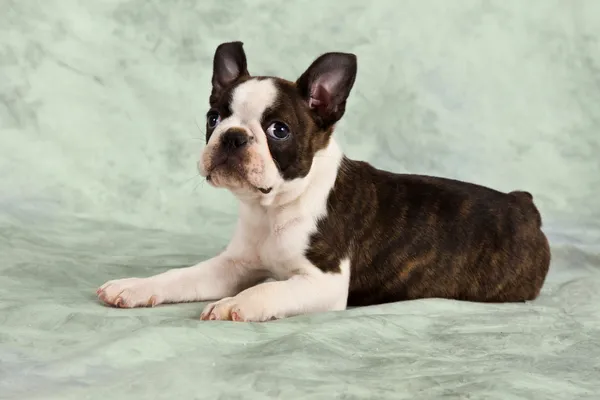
x=318, y=231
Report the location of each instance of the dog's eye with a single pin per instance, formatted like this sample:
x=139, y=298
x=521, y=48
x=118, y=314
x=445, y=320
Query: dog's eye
x=278, y=130
x=212, y=119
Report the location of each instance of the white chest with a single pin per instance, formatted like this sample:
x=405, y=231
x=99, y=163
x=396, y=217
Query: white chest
x=284, y=247
x=278, y=232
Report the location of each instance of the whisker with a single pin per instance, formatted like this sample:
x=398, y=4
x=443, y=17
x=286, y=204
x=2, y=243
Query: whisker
x=198, y=125
x=276, y=164
x=198, y=184
x=190, y=179
x=201, y=131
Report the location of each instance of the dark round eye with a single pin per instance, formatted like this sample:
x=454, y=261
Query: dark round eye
x=212, y=119
x=278, y=130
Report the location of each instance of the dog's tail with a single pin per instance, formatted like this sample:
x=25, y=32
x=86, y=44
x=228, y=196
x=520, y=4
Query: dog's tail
x=526, y=199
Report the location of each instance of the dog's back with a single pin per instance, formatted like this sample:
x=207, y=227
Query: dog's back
x=411, y=236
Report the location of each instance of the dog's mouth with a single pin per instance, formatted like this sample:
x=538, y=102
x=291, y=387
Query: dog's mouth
x=266, y=190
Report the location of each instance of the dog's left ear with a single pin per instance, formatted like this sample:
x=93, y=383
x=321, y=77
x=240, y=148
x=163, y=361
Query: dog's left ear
x=326, y=85
x=229, y=64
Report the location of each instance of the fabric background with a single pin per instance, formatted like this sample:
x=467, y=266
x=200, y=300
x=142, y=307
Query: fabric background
x=100, y=103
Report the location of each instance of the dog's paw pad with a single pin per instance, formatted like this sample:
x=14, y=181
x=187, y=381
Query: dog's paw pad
x=153, y=301
x=219, y=310
x=237, y=309
x=129, y=293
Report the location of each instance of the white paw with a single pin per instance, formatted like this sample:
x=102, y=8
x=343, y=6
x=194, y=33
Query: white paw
x=129, y=293
x=237, y=309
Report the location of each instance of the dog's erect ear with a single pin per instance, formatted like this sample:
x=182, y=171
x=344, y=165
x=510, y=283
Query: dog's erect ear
x=326, y=85
x=229, y=64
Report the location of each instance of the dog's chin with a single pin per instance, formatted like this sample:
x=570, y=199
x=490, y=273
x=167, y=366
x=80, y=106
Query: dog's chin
x=235, y=181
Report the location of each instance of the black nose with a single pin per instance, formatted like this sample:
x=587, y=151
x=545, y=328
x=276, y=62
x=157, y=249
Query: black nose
x=234, y=139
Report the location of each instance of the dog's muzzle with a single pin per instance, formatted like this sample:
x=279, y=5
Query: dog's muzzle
x=233, y=143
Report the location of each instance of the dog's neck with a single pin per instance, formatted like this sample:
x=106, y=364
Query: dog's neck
x=308, y=194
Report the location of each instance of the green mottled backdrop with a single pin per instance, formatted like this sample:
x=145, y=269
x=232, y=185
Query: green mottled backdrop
x=100, y=103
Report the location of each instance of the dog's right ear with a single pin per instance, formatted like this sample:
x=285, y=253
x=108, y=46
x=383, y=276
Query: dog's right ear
x=229, y=65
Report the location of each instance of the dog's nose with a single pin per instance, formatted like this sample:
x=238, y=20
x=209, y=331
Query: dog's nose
x=234, y=139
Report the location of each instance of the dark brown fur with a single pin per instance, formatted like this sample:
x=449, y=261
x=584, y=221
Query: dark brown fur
x=411, y=237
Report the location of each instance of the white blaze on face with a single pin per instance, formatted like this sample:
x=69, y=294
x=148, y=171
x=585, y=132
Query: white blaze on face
x=249, y=101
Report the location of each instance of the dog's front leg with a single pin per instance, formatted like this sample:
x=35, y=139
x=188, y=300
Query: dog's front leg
x=301, y=294
x=222, y=276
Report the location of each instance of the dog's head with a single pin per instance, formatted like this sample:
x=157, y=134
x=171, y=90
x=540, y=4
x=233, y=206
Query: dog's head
x=263, y=132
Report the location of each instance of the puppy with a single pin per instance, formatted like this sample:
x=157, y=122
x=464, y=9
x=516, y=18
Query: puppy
x=333, y=232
